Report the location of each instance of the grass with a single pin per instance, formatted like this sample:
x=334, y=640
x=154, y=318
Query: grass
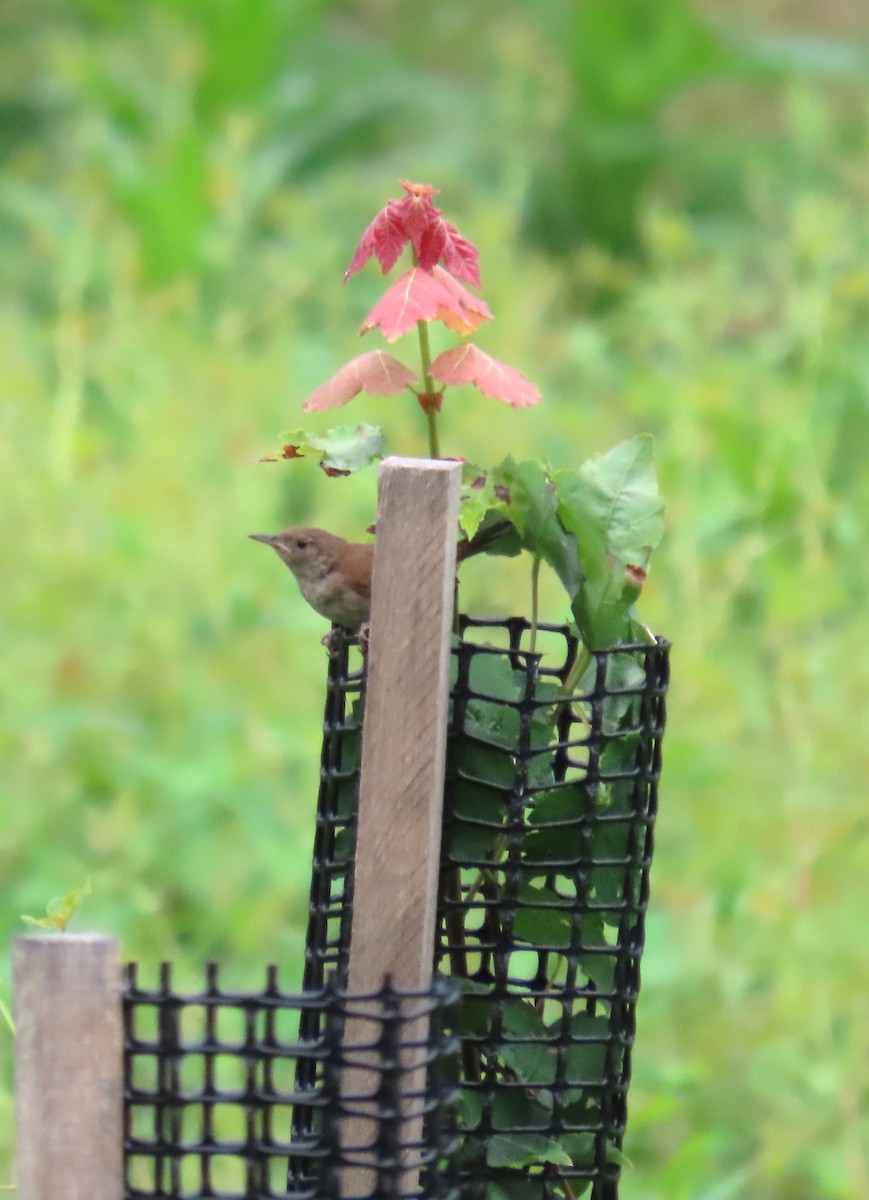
x=162, y=683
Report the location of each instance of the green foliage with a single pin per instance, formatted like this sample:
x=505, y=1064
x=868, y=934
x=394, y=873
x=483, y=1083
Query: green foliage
x=612, y=507
x=625, y=61
x=533, y=509
x=60, y=911
x=629, y=65
x=339, y=451
x=565, y=829
x=161, y=690
x=596, y=527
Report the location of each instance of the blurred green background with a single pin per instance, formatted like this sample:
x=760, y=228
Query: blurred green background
x=670, y=203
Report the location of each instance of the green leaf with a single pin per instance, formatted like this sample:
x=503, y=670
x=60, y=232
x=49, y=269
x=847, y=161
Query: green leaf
x=518, y=1188
x=614, y=1155
x=467, y=844
x=340, y=451
x=625, y=680
x=345, y=844
x=517, y=1109
x=619, y=758
x=548, y=694
x=600, y=968
x=478, y=803
x=525, y=1150
x=533, y=509
x=560, y=804
x=492, y=675
x=521, y=1019
x=475, y=1016
x=612, y=506
x=552, y=839
x=477, y=498
x=586, y=1060
x=491, y=765
x=534, y=1062
x=581, y=1147
x=472, y=508
x=607, y=882
x=470, y=1109
x=550, y=926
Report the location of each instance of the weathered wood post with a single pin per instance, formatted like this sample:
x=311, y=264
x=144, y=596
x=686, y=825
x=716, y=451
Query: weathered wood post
x=402, y=776
x=69, y=1066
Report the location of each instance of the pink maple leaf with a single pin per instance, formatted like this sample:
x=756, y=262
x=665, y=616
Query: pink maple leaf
x=385, y=237
x=430, y=245
x=470, y=364
x=461, y=257
x=425, y=296
x=363, y=251
x=467, y=311
x=390, y=237
x=375, y=372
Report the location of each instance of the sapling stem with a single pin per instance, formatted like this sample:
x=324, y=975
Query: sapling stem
x=580, y=666
x=428, y=388
x=433, y=443
x=564, y=1185
x=484, y=873
x=571, y=683
x=535, y=602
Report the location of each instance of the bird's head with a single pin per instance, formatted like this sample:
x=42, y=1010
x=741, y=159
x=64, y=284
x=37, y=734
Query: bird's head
x=309, y=553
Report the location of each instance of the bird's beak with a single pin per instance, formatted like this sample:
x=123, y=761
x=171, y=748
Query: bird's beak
x=268, y=538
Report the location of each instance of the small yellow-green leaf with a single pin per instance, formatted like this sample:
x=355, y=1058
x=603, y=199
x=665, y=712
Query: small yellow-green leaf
x=60, y=911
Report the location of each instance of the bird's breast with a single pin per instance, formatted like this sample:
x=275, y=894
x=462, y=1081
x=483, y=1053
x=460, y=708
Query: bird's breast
x=337, y=597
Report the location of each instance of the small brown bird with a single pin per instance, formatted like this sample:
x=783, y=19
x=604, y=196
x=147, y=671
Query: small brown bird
x=334, y=575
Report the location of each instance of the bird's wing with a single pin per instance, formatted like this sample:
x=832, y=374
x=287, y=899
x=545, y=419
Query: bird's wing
x=359, y=562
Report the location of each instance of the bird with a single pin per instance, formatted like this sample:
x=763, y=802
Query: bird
x=334, y=575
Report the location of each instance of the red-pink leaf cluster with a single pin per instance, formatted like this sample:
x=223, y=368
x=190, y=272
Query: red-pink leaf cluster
x=433, y=289
x=470, y=364
x=421, y=295
x=414, y=220
x=376, y=372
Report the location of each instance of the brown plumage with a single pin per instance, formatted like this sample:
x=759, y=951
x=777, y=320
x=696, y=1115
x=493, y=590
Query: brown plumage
x=334, y=575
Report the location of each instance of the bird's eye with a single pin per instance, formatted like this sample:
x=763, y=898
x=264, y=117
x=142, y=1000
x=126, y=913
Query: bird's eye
x=302, y=543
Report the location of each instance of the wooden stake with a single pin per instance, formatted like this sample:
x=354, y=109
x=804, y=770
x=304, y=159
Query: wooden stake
x=69, y=1066
x=402, y=779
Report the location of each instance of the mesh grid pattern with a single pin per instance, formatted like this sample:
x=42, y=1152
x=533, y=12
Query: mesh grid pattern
x=551, y=798
x=550, y=802
x=213, y=1084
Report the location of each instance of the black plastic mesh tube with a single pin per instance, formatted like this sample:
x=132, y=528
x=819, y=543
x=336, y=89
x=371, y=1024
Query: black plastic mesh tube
x=551, y=797
x=212, y=1082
